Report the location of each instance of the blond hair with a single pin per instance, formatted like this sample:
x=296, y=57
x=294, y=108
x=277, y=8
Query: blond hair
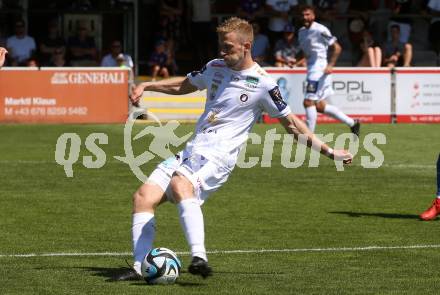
x=239, y=26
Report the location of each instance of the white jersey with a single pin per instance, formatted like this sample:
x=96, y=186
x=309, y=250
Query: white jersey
x=235, y=100
x=314, y=42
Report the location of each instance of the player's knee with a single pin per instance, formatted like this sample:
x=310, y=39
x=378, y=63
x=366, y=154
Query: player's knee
x=181, y=187
x=308, y=103
x=141, y=199
x=320, y=108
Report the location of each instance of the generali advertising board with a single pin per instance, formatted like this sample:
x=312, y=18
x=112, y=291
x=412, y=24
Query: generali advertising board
x=63, y=95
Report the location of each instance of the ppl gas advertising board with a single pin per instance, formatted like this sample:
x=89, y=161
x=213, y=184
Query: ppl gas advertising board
x=363, y=93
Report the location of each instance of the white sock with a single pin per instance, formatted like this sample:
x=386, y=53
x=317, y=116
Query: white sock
x=143, y=231
x=311, y=115
x=191, y=219
x=338, y=114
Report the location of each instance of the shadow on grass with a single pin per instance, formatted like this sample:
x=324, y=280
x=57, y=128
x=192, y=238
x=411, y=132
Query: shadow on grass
x=382, y=215
x=110, y=273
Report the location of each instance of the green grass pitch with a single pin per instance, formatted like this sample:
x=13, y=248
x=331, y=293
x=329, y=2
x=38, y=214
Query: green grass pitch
x=43, y=211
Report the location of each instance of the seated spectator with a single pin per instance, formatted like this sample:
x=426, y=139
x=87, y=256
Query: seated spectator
x=251, y=9
x=3, y=53
x=58, y=58
x=21, y=47
x=434, y=28
x=159, y=61
x=371, y=52
x=82, y=48
x=50, y=43
x=286, y=49
x=111, y=59
x=260, y=46
x=397, y=53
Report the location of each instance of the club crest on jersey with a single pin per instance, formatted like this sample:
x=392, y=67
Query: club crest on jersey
x=244, y=98
x=275, y=94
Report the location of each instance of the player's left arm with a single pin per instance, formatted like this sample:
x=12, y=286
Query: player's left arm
x=173, y=86
x=298, y=128
x=335, y=51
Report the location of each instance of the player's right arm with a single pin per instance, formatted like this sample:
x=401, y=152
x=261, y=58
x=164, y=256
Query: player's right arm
x=3, y=53
x=173, y=86
x=298, y=128
x=276, y=107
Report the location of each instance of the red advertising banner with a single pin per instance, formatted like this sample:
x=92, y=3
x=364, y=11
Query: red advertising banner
x=418, y=95
x=63, y=95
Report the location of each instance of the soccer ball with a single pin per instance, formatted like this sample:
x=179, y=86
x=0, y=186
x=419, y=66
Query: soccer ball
x=161, y=266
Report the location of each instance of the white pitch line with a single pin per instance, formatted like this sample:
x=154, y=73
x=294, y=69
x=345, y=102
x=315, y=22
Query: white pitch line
x=386, y=165
x=250, y=251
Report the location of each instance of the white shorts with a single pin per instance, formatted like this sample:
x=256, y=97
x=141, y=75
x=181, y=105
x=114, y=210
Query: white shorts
x=319, y=86
x=206, y=176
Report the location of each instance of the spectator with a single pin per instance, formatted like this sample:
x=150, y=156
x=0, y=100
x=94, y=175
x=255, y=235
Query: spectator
x=260, y=46
x=133, y=108
x=58, y=58
x=82, y=48
x=111, y=59
x=279, y=17
x=50, y=43
x=286, y=48
x=397, y=53
x=434, y=28
x=251, y=9
x=21, y=47
x=159, y=61
x=400, y=9
x=357, y=22
x=371, y=52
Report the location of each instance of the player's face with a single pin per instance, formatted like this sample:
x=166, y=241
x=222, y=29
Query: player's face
x=232, y=49
x=308, y=17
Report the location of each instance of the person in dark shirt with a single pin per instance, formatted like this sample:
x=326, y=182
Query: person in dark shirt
x=50, y=43
x=58, y=58
x=82, y=48
x=159, y=61
x=397, y=53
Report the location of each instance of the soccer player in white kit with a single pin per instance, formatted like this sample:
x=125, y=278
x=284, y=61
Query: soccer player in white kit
x=238, y=91
x=314, y=41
